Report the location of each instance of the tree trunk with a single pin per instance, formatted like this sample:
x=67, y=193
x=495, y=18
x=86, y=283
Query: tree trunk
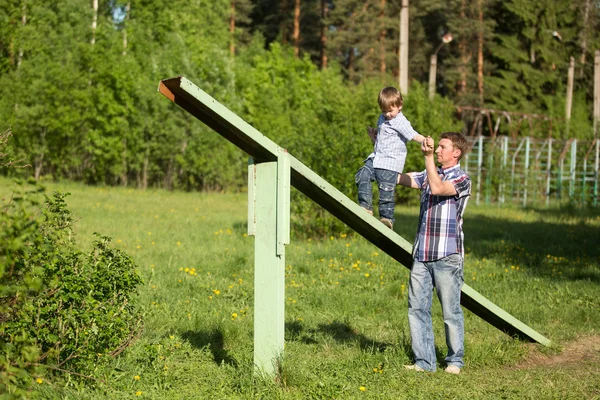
x=127, y=8
x=296, y=34
x=283, y=11
x=94, y=20
x=382, y=35
x=480, y=53
x=465, y=56
x=232, y=29
x=23, y=22
x=324, y=12
x=584, y=34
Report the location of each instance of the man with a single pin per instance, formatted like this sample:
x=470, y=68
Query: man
x=438, y=251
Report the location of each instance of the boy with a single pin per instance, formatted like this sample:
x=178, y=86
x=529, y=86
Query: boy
x=388, y=157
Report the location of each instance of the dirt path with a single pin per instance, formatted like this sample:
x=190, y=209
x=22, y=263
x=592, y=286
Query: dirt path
x=585, y=349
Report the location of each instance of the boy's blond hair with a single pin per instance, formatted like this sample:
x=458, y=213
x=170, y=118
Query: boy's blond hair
x=390, y=97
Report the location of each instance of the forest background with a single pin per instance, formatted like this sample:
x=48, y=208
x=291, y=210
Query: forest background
x=78, y=79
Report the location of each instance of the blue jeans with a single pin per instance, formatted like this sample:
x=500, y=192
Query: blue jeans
x=386, y=180
x=446, y=275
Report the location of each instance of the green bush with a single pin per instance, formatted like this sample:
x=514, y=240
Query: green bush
x=60, y=309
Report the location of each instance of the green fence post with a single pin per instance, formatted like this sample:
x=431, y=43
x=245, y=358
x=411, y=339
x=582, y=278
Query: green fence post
x=265, y=188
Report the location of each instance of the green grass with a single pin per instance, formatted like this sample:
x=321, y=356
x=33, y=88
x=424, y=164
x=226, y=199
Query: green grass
x=346, y=305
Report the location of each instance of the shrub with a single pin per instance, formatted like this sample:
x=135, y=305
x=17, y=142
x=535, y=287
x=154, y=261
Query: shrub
x=60, y=309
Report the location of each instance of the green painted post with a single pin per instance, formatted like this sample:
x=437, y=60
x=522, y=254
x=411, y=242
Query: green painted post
x=265, y=187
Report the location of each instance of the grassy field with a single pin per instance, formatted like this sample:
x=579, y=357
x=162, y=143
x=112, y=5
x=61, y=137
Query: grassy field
x=346, y=303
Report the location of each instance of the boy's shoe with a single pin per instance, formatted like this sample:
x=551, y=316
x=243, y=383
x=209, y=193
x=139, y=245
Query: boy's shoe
x=367, y=210
x=387, y=223
x=452, y=369
x=414, y=367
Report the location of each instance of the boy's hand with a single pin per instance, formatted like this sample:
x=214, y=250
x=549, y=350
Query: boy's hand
x=372, y=132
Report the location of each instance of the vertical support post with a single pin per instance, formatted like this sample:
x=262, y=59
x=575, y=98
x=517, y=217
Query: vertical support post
x=583, y=181
x=266, y=186
x=526, y=171
x=512, y=172
x=489, y=170
x=572, y=170
x=597, y=94
x=548, y=172
x=596, y=173
x=403, y=49
x=570, y=76
x=479, y=166
x=504, y=161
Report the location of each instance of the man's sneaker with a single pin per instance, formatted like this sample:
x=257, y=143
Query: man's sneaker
x=452, y=369
x=387, y=223
x=414, y=367
x=367, y=210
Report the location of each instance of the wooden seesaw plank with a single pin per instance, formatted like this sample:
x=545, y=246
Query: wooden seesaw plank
x=202, y=106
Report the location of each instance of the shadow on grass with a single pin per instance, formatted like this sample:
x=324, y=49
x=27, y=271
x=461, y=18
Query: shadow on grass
x=341, y=332
x=215, y=341
x=542, y=247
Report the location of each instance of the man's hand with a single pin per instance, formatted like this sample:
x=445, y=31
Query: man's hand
x=427, y=146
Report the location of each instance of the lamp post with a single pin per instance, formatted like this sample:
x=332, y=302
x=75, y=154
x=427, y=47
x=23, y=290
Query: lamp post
x=447, y=38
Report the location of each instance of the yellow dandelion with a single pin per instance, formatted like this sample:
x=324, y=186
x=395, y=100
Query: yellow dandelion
x=138, y=247
x=149, y=233
x=119, y=240
x=137, y=377
x=234, y=316
x=367, y=275
x=178, y=243
x=216, y=291
x=39, y=380
x=138, y=393
x=362, y=388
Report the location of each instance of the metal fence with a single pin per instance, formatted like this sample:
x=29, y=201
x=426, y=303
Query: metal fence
x=530, y=171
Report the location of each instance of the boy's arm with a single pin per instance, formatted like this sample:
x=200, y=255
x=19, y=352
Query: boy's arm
x=418, y=138
x=404, y=128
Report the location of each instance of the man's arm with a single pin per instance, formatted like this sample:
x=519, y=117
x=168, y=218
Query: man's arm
x=436, y=185
x=407, y=180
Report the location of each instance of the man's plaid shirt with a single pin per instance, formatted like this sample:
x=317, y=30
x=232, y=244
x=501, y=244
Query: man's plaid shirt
x=390, y=146
x=440, y=219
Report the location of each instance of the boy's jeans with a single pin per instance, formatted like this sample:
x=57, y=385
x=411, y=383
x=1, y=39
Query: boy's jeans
x=386, y=180
x=446, y=274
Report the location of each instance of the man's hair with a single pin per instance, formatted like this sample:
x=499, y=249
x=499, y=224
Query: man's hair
x=458, y=141
x=389, y=97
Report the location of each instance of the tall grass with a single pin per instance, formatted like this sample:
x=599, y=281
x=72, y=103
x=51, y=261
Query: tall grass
x=346, y=302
